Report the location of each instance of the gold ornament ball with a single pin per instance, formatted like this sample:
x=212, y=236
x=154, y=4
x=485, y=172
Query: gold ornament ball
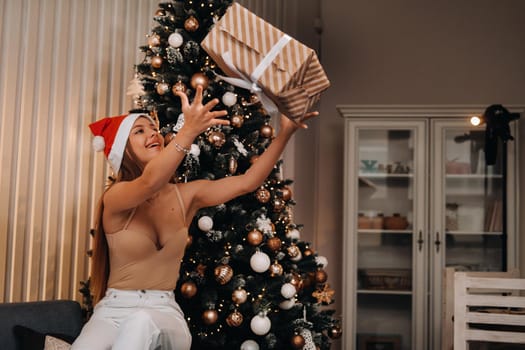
x=209, y=317
x=308, y=252
x=156, y=62
x=188, y=289
x=234, y=319
x=237, y=120
x=189, y=241
x=217, y=138
x=286, y=193
x=263, y=195
x=335, y=332
x=297, y=281
x=179, y=86
x=276, y=269
x=191, y=24
x=274, y=243
x=255, y=237
x=199, y=79
x=321, y=276
x=266, y=131
x=160, y=12
x=239, y=296
x=223, y=273
x=297, y=341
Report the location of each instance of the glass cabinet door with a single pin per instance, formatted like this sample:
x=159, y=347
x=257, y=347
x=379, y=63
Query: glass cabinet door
x=473, y=203
x=386, y=237
x=468, y=200
x=467, y=206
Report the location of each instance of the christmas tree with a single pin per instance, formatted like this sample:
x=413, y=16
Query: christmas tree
x=247, y=280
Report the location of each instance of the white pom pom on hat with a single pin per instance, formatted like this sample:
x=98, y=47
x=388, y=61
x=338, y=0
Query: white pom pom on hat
x=98, y=143
x=111, y=135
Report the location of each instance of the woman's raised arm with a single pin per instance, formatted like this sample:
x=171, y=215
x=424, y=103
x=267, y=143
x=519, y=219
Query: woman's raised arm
x=159, y=170
x=208, y=193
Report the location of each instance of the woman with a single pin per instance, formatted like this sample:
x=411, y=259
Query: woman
x=143, y=226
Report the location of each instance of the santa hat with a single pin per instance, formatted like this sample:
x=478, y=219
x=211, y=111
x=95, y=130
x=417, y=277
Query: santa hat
x=111, y=136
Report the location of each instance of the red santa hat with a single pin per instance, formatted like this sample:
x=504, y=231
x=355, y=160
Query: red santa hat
x=111, y=136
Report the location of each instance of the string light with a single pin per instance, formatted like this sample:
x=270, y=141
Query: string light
x=475, y=120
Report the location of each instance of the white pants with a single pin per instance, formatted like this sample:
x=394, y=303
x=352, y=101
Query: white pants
x=135, y=320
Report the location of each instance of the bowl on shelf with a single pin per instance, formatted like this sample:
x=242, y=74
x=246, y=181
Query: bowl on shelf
x=395, y=222
x=455, y=167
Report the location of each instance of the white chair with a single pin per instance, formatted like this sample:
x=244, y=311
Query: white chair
x=490, y=303
x=447, y=310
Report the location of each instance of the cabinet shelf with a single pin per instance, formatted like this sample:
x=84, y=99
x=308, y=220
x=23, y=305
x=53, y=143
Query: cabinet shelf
x=385, y=176
x=388, y=292
x=472, y=176
x=475, y=233
x=377, y=231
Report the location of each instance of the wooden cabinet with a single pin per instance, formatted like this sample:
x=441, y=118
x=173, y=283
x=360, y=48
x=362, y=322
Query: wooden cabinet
x=418, y=197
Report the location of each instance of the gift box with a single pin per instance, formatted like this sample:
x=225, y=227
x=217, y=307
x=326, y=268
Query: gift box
x=284, y=73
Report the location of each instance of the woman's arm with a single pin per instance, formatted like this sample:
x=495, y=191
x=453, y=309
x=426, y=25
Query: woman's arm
x=158, y=171
x=208, y=193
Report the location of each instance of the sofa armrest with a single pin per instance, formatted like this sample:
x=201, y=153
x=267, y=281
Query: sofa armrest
x=55, y=316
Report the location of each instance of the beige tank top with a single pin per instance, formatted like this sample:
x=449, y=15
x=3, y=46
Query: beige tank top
x=137, y=263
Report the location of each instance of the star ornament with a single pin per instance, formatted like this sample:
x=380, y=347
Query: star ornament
x=324, y=295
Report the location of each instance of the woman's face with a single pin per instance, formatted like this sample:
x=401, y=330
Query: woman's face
x=145, y=140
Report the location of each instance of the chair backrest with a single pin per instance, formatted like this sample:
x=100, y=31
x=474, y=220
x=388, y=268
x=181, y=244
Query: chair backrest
x=488, y=309
x=447, y=307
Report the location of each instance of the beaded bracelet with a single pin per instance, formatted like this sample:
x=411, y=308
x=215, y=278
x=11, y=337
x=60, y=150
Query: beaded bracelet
x=181, y=149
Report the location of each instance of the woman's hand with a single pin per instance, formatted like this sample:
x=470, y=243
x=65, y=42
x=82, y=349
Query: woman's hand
x=290, y=126
x=199, y=117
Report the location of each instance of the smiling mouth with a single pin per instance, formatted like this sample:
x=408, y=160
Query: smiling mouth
x=153, y=145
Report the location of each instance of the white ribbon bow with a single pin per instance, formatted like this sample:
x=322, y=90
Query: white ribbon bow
x=250, y=83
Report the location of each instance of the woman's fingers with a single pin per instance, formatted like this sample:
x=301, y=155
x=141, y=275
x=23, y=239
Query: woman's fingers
x=216, y=121
x=183, y=99
x=198, y=95
x=310, y=115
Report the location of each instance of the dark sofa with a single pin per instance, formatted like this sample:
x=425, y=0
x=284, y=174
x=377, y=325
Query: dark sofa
x=46, y=317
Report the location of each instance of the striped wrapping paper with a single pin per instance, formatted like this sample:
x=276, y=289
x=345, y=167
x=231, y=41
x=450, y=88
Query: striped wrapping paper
x=295, y=78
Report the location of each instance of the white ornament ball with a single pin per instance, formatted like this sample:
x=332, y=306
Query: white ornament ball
x=260, y=262
x=162, y=88
x=229, y=99
x=195, y=150
x=288, y=290
x=287, y=304
x=175, y=40
x=260, y=324
x=249, y=345
x=293, y=234
x=321, y=261
x=205, y=223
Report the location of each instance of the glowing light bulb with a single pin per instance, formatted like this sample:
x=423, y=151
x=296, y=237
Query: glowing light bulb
x=475, y=120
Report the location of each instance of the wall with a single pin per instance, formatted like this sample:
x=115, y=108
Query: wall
x=409, y=52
